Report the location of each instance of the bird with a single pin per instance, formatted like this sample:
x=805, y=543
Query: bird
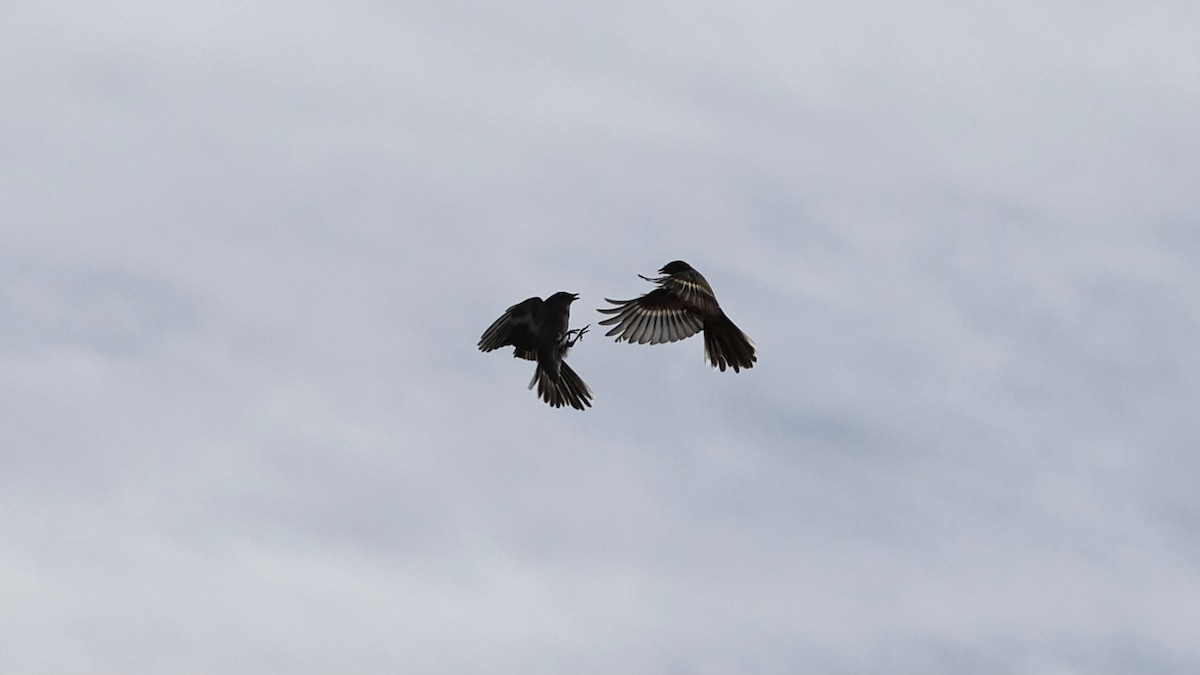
x=537, y=331
x=681, y=306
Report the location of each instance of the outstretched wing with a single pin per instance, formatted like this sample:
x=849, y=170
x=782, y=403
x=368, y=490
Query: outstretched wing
x=515, y=327
x=692, y=289
x=657, y=317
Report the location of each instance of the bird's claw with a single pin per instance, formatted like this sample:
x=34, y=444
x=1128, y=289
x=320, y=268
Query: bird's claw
x=575, y=335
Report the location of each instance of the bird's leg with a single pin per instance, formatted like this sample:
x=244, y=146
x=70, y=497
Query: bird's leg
x=574, y=335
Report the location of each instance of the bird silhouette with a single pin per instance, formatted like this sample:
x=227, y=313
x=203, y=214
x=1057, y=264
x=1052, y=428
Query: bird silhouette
x=683, y=304
x=537, y=331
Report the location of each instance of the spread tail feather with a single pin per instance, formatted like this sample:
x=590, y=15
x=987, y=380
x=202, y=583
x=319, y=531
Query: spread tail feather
x=566, y=389
x=726, y=346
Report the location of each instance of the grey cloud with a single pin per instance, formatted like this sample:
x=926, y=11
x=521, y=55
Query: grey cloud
x=249, y=250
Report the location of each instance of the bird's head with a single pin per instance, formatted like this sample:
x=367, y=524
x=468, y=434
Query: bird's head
x=563, y=298
x=675, y=267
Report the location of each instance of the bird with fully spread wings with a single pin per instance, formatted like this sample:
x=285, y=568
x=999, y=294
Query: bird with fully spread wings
x=537, y=331
x=682, y=305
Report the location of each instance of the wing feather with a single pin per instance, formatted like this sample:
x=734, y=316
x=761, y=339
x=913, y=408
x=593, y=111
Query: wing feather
x=656, y=317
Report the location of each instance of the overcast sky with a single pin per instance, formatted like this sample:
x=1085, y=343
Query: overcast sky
x=247, y=250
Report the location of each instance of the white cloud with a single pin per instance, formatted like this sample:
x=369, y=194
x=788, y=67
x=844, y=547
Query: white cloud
x=249, y=249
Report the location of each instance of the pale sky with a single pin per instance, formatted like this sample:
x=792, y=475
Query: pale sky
x=246, y=252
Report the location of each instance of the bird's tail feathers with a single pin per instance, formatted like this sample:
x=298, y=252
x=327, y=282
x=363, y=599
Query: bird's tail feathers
x=565, y=389
x=726, y=346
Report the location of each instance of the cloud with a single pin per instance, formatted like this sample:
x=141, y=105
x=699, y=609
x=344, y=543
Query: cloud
x=250, y=249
